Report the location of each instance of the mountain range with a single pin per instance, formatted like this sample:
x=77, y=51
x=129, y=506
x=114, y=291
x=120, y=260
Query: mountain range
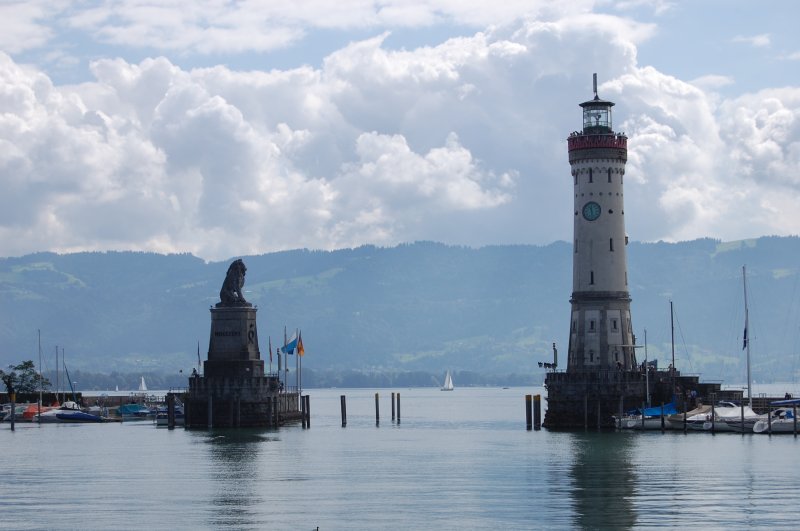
x=488, y=314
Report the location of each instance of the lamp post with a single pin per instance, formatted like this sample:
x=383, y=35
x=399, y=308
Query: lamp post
x=553, y=365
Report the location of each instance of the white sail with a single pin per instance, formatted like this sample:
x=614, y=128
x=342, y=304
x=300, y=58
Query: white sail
x=448, y=382
x=142, y=385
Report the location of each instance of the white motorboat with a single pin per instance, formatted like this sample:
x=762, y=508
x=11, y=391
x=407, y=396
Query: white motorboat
x=783, y=420
x=69, y=412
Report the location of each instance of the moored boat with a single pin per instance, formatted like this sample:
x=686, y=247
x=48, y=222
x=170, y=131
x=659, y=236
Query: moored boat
x=693, y=419
x=652, y=418
x=162, y=417
x=69, y=412
x=783, y=420
x=134, y=412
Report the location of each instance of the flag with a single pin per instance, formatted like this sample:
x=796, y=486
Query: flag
x=300, y=349
x=290, y=345
x=744, y=340
x=270, y=349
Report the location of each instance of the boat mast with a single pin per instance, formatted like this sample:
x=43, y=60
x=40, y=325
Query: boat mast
x=747, y=339
x=39, y=332
x=672, y=333
x=646, y=371
x=57, y=370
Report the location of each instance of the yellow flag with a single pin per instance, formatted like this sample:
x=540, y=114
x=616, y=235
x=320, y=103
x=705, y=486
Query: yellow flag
x=300, y=349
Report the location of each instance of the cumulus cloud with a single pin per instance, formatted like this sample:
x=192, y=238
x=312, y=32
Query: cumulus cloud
x=720, y=168
x=462, y=142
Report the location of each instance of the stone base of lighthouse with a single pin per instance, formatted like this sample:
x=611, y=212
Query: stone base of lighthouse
x=589, y=399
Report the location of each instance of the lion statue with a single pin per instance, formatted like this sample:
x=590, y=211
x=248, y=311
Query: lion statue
x=231, y=292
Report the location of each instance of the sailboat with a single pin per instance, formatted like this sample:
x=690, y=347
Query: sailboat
x=743, y=419
x=448, y=382
x=651, y=417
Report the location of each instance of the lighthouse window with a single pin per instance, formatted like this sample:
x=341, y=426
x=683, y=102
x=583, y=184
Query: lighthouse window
x=611, y=244
x=574, y=326
x=576, y=178
x=616, y=356
x=609, y=175
x=591, y=356
x=613, y=324
x=590, y=175
x=591, y=277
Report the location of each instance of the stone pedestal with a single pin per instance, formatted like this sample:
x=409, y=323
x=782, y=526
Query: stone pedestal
x=234, y=391
x=233, y=345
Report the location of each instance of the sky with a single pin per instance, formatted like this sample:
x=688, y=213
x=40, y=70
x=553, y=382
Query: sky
x=228, y=128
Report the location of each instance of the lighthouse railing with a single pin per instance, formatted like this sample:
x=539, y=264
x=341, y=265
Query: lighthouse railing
x=582, y=141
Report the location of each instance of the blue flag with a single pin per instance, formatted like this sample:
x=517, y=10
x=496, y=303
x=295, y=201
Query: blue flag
x=290, y=346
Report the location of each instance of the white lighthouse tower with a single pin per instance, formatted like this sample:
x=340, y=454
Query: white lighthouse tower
x=601, y=336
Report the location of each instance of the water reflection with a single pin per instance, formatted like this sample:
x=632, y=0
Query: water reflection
x=234, y=472
x=603, y=481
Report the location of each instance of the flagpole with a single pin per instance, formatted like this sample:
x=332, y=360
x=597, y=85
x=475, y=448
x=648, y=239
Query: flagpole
x=296, y=372
x=747, y=339
x=286, y=365
x=300, y=355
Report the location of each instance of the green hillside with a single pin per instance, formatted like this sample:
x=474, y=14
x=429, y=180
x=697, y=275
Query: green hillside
x=421, y=307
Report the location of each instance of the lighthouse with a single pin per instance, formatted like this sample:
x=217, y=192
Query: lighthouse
x=602, y=379
x=601, y=337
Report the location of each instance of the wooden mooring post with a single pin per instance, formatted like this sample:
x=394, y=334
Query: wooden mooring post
x=303, y=411
x=769, y=419
x=170, y=411
x=398, y=408
x=528, y=412
x=643, y=416
x=713, y=425
x=537, y=412
x=685, y=405
x=308, y=411
x=392, y=407
x=343, y=402
x=741, y=406
x=13, y=409
x=377, y=410
x=585, y=412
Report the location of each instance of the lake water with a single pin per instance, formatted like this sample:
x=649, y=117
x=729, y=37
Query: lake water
x=458, y=460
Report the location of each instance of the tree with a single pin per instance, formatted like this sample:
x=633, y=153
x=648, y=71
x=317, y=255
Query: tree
x=23, y=378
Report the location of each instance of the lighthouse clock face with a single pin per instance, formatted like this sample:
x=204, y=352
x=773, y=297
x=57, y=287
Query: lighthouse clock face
x=591, y=211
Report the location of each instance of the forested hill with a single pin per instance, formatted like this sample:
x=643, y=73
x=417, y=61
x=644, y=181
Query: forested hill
x=416, y=307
